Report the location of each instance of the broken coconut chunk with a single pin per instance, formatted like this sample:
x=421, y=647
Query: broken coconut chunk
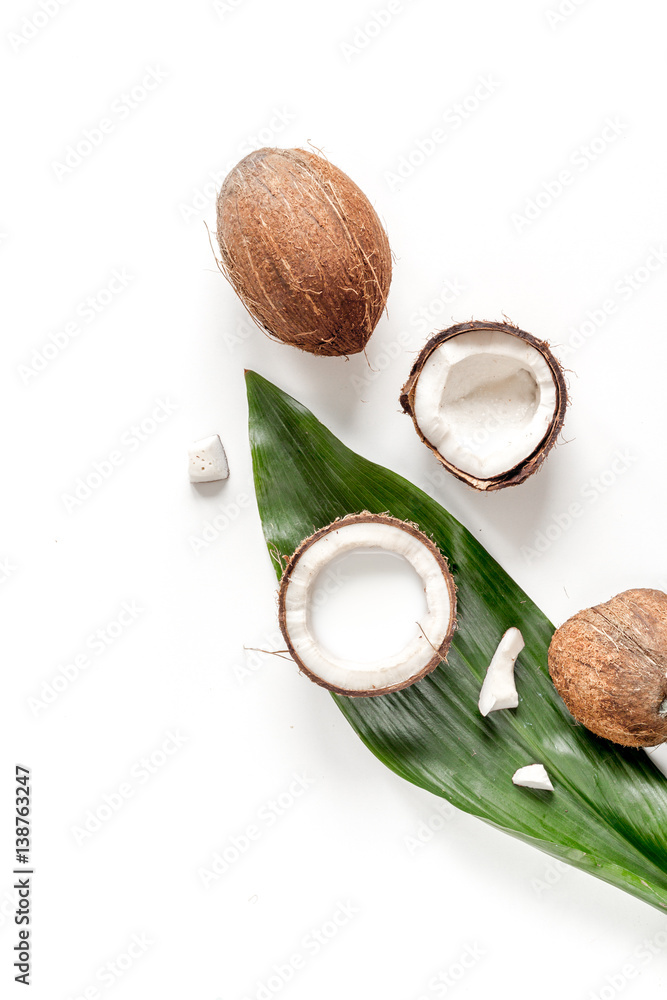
x=207, y=462
x=432, y=635
x=499, y=690
x=659, y=756
x=533, y=776
x=489, y=401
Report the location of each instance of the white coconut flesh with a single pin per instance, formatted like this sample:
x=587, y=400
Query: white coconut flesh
x=351, y=673
x=366, y=601
x=659, y=756
x=485, y=400
x=499, y=688
x=533, y=776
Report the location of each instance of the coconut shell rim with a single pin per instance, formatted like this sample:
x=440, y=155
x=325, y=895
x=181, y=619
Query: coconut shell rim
x=367, y=517
x=522, y=470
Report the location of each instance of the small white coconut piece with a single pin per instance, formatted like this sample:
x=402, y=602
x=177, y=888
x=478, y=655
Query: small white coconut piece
x=499, y=689
x=489, y=400
x=533, y=776
x=432, y=635
x=207, y=461
x=659, y=756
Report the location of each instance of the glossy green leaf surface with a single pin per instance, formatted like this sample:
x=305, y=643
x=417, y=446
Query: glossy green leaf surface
x=608, y=813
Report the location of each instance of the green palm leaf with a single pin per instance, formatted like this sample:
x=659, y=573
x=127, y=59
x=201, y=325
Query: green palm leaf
x=608, y=813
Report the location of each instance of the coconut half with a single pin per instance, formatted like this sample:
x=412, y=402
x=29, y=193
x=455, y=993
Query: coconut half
x=489, y=400
x=433, y=633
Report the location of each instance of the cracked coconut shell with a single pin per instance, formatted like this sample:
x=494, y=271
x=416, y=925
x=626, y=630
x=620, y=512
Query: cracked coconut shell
x=489, y=401
x=609, y=664
x=304, y=250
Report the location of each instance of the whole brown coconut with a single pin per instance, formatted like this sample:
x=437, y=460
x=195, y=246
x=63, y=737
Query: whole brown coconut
x=609, y=664
x=304, y=249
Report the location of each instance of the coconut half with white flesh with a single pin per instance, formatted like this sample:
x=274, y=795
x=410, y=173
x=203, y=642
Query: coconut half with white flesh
x=367, y=532
x=489, y=400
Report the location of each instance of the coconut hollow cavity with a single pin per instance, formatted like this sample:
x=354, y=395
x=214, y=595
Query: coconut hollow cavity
x=609, y=665
x=433, y=633
x=489, y=400
x=304, y=250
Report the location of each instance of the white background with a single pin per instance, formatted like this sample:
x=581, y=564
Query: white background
x=287, y=73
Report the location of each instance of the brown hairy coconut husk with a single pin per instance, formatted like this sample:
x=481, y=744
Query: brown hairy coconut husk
x=609, y=664
x=304, y=249
x=433, y=635
x=498, y=383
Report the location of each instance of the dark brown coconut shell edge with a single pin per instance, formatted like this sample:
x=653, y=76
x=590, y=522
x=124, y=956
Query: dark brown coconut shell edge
x=366, y=517
x=529, y=465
